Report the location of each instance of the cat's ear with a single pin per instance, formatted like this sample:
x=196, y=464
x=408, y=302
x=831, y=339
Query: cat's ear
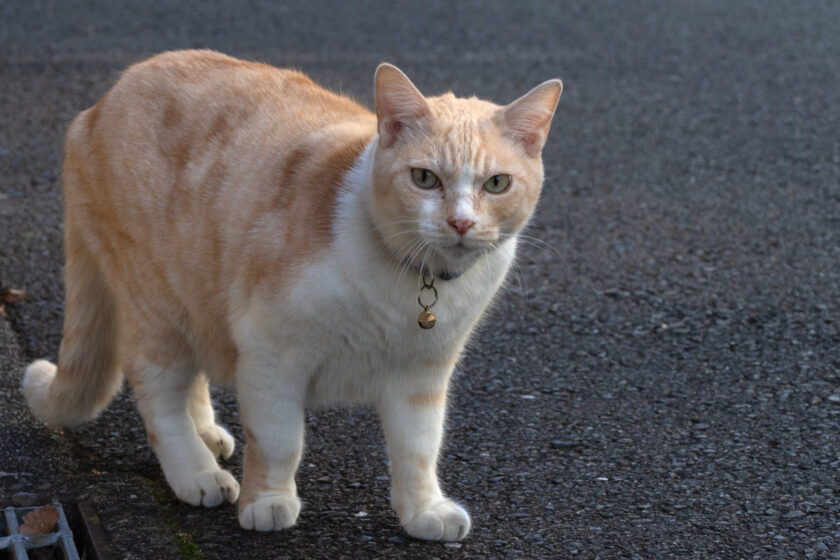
x=399, y=105
x=527, y=120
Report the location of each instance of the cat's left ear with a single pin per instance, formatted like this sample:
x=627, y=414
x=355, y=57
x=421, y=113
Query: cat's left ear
x=399, y=105
x=527, y=120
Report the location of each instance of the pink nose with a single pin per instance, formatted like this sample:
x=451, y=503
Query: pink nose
x=461, y=226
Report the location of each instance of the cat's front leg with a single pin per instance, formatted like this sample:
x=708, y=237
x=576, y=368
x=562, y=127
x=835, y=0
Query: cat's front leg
x=271, y=405
x=412, y=417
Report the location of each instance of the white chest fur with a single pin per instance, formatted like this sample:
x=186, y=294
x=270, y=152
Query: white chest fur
x=348, y=323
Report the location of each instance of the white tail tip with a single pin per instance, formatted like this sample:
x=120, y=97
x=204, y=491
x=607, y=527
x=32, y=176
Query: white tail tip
x=36, y=388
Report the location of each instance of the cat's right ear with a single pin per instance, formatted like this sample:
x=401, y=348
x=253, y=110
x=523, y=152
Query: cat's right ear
x=399, y=105
x=528, y=119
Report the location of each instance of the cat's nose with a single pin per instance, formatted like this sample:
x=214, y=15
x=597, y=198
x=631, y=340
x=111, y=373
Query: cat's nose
x=461, y=225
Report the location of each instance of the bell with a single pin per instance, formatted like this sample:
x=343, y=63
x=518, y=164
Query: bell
x=426, y=320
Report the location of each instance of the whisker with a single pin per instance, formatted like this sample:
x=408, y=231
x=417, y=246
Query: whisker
x=423, y=261
x=523, y=287
x=406, y=263
x=411, y=261
x=536, y=243
x=521, y=281
x=485, y=253
x=533, y=241
x=407, y=248
x=404, y=232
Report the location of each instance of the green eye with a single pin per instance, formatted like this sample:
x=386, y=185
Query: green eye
x=424, y=178
x=497, y=183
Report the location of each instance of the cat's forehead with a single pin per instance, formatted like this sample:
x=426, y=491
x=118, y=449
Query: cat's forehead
x=463, y=133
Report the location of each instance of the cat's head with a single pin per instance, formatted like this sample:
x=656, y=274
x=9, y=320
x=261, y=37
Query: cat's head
x=453, y=177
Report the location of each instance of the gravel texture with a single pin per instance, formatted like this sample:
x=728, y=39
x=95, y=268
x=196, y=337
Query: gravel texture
x=660, y=380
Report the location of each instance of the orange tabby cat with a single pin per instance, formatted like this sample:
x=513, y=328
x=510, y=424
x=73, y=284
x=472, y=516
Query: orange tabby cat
x=231, y=221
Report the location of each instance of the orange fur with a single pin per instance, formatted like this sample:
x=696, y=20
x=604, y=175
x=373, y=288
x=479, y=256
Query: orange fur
x=432, y=398
x=256, y=480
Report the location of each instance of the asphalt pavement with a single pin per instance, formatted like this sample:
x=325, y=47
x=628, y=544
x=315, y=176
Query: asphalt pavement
x=661, y=378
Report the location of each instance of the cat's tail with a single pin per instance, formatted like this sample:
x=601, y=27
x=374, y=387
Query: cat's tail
x=87, y=376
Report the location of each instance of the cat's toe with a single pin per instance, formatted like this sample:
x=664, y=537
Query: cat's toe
x=274, y=512
x=208, y=488
x=445, y=521
x=218, y=440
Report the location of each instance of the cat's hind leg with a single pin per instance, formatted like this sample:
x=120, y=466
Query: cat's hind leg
x=215, y=437
x=190, y=468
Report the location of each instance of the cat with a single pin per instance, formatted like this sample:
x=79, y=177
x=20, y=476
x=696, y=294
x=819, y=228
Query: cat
x=232, y=221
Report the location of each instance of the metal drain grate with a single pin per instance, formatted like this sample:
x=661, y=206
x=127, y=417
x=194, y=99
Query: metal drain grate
x=12, y=541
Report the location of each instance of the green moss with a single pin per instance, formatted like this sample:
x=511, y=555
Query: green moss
x=183, y=540
x=189, y=550
x=158, y=492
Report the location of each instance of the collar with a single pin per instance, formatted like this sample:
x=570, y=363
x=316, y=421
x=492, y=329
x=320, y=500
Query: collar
x=438, y=275
x=446, y=275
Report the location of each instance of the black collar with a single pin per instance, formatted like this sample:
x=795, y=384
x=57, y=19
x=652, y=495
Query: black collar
x=447, y=275
x=439, y=275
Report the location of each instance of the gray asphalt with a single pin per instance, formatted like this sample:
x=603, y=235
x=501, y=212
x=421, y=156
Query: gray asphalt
x=662, y=377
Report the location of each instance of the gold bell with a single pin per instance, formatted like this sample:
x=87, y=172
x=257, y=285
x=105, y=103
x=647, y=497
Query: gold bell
x=426, y=320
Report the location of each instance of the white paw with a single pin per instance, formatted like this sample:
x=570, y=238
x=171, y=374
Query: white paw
x=208, y=488
x=274, y=512
x=218, y=440
x=445, y=521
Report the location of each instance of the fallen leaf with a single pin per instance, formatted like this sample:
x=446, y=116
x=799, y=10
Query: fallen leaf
x=12, y=296
x=40, y=521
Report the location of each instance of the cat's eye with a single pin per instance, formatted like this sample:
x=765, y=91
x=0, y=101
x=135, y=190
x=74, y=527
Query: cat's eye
x=497, y=183
x=424, y=178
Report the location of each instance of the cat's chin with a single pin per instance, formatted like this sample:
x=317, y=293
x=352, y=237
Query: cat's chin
x=448, y=263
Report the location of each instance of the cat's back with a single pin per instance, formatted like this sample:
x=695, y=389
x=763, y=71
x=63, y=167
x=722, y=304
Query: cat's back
x=193, y=132
x=197, y=82
x=186, y=99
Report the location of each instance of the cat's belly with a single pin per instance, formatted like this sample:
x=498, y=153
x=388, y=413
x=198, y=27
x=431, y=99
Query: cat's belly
x=344, y=382
x=357, y=359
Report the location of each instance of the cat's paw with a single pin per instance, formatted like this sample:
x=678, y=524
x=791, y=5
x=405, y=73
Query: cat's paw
x=444, y=521
x=208, y=488
x=275, y=512
x=218, y=440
